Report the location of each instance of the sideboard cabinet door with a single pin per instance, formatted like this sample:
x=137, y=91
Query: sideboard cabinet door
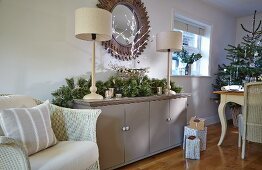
x=137, y=132
x=159, y=126
x=178, y=115
x=110, y=137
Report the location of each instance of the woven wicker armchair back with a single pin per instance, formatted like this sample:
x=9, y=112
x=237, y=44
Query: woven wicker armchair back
x=252, y=114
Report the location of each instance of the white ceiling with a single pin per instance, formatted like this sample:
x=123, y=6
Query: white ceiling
x=237, y=8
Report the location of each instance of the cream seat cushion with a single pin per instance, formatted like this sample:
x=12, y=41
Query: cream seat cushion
x=66, y=155
x=15, y=101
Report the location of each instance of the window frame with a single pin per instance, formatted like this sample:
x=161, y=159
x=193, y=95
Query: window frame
x=204, y=42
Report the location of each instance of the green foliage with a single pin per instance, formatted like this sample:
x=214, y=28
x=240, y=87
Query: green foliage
x=176, y=88
x=188, y=58
x=157, y=83
x=101, y=88
x=133, y=87
x=66, y=93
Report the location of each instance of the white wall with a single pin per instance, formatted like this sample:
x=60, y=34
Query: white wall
x=223, y=33
x=247, y=22
x=38, y=49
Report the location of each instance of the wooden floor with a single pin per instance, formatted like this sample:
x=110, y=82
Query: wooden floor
x=225, y=157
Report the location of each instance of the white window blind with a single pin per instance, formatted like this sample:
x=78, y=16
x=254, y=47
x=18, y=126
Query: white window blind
x=187, y=26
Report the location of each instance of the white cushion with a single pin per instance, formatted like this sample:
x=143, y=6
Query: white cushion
x=31, y=126
x=15, y=101
x=66, y=155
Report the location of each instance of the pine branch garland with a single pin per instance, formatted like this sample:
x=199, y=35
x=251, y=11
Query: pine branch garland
x=132, y=87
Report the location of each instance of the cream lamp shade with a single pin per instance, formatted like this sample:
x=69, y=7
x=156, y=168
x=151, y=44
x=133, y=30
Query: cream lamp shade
x=90, y=22
x=171, y=40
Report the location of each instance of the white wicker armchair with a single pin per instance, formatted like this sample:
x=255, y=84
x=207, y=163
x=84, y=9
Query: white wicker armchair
x=67, y=124
x=252, y=116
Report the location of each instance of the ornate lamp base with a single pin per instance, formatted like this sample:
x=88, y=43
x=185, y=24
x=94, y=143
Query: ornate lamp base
x=93, y=96
x=172, y=92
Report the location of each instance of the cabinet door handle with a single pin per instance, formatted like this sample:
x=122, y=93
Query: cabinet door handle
x=168, y=119
x=124, y=128
x=127, y=128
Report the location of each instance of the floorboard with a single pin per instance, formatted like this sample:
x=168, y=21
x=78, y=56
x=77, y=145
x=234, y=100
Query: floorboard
x=224, y=157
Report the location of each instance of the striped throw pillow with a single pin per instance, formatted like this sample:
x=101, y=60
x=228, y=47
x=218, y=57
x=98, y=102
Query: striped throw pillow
x=31, y=126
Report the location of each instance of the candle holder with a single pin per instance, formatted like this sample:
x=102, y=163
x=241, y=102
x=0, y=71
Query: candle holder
x=111, y=92
x=118, y=96
x=159, y=90
x=107, y=94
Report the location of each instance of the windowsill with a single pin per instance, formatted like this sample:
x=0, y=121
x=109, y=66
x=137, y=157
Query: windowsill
x=191, y=76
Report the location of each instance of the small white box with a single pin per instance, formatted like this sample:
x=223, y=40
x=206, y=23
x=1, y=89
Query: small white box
x=201, y=134
x=192, y=150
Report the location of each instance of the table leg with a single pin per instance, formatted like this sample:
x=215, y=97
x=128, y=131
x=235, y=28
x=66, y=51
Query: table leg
x=222, y=117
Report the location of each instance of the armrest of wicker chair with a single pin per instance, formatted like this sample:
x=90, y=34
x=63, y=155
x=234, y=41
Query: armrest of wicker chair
x=12, y=155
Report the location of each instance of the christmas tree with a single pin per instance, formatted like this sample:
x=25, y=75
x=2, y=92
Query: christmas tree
x=245, y=59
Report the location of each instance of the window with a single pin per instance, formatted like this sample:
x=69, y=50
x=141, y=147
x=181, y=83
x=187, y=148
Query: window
x=195, y=40
x=191, y=40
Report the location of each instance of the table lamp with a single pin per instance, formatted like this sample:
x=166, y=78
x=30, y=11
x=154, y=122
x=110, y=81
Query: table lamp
x=93, y=24
x=166, y=42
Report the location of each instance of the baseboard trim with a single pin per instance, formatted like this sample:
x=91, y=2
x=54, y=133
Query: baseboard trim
x=215, y=119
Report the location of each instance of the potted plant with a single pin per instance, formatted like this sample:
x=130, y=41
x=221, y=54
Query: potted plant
x=187, y=58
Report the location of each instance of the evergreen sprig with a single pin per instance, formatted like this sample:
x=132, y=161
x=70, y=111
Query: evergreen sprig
x=65, y=95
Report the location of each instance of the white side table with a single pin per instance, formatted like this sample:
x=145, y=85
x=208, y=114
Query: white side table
x=226, y=97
